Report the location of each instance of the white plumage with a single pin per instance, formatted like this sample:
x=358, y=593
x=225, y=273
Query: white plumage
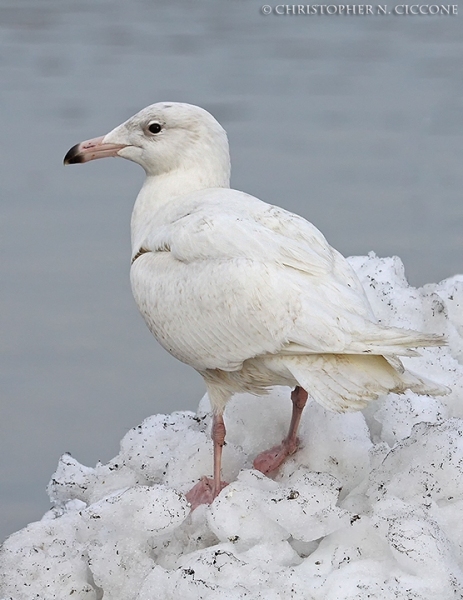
x=247, y=293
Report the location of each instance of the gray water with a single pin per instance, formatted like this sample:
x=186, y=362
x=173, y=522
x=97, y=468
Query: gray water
x=354, y=122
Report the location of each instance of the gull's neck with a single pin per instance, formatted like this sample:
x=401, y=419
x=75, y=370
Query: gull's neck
x=159, y=190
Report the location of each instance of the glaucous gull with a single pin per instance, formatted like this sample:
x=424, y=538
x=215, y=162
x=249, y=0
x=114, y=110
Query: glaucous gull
x=248, y=294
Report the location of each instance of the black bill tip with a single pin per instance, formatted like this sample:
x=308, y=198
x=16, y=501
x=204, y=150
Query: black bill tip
x=74, y=156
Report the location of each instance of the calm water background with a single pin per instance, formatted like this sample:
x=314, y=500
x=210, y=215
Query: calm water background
x=354, y=122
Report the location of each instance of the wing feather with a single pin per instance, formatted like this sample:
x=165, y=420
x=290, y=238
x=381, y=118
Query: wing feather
x=228, y=278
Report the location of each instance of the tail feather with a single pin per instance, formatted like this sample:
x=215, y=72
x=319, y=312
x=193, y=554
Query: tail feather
x=348, y=382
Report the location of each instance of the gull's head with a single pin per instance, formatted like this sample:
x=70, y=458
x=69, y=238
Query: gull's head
x=163, y=138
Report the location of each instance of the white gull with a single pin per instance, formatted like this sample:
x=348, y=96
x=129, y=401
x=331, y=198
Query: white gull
x=248, y=294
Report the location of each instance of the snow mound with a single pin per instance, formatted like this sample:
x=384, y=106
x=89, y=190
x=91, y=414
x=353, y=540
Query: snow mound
x=371, y=506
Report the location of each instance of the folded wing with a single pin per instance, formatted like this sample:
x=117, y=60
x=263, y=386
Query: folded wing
x=228, y=278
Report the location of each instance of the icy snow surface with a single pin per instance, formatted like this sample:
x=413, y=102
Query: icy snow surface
x=371, y=506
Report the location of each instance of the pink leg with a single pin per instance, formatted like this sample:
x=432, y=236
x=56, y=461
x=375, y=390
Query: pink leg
x=206, y=490
x=271, y=459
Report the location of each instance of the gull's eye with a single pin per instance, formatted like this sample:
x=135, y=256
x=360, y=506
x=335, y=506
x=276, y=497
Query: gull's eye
x=154, y=127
